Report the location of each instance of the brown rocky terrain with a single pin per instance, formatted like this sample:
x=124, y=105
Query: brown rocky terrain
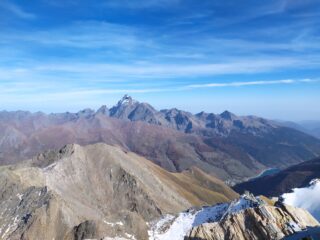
x=96, y=191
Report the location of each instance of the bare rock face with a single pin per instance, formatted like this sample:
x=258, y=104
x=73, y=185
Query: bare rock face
x=96, y=191
x=35, y=213
x=259, y=223
x=85, y=230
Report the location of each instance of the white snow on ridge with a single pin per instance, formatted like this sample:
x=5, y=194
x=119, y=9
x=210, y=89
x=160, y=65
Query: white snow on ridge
x=171, y=227
x=177, y=230
x=113, y=223
x=20, y=196
x=307, y=198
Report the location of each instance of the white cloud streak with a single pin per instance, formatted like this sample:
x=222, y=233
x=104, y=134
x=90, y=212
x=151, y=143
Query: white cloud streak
x=152, y=71
x=25, y=90
x=250, y=83
x=44, y=96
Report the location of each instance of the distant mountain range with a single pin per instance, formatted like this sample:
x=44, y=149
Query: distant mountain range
x=296, y=176
x=230, y=147
x=309, y=127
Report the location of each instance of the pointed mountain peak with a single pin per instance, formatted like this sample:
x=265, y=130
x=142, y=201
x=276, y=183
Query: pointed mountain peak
x=126, y=100
x=103, y=110
x=124, y=107
x=227, y=115
x=203, y=114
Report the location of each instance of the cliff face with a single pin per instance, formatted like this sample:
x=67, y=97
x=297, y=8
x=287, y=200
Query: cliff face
x=260, y=223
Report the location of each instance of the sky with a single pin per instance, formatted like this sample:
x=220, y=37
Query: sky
x=246, y=56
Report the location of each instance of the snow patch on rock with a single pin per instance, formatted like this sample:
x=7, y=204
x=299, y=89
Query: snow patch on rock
x=171, y=227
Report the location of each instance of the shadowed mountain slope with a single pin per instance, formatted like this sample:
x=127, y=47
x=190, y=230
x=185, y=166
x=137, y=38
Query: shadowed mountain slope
x=296, y=176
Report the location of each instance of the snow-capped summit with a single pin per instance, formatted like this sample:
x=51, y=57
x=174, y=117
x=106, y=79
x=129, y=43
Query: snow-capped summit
x=126, y=99
x=124, y=107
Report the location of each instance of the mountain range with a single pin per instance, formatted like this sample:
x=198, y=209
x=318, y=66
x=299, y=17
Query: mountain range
x=307, y=126
x=230, y=147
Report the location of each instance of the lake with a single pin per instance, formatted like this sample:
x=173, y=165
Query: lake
x=269, y=171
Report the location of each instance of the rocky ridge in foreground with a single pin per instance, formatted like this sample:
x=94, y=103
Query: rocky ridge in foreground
x=96, y=191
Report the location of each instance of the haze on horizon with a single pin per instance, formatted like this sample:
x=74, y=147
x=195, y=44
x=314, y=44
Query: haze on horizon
x=248, y=57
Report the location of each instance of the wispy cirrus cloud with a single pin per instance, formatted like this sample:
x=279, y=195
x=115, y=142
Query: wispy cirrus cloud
x=73, y=96
x=140, y=4
x=156, y=70
x=95, y=40
x=16, y=10
x=81, y=92
x=147, y=73
x=79, y=35
x=73, y=91
x=251, y=83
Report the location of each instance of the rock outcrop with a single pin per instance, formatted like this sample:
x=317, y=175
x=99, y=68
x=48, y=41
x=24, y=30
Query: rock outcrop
x=249, y=217
x=260, y=223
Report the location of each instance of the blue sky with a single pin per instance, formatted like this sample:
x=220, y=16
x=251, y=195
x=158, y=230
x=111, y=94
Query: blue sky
x=247, y=56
